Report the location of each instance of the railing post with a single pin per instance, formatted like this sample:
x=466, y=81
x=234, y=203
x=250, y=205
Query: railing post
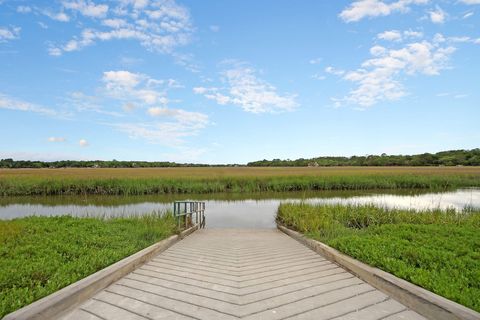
x=186, y=209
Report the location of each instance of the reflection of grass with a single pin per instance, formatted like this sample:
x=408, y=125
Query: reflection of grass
x=232, y=180
x=113, y=200
x=40, y=255
x=438, y=250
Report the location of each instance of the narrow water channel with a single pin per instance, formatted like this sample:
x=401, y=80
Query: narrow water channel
x=232, y=210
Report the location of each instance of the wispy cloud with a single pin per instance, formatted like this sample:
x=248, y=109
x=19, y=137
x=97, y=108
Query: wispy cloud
x=245, y=89
x=85, y=103
x=334, y=71
x=379, y=78
x=158, y=26
x=140, y=93
x=361, y=9
x=177, y=125
x=57, y=16
x=9, y=103
x=396, y=35
x=390, y=35
x=24, y=9
x=438, y=15
x=87, y=8
x=136, y=87
x=9, y=33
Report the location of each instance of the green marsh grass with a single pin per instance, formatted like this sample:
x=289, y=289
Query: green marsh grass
x=25, y=182
x=40, y=255
x=435, y=249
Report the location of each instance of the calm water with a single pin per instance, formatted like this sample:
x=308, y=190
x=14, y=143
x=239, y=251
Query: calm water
x=230, y=210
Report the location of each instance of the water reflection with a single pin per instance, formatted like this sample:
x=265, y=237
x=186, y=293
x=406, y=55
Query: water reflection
x=232, y=210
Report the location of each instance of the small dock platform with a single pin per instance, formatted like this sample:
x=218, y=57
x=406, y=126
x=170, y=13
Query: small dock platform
x=240, y=274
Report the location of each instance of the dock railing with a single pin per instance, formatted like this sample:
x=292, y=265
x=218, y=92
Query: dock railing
x=189, y=213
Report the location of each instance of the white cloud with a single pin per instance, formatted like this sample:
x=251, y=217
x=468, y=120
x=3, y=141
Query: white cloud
x=377, y=51
x=395, y=35
x=86, y=103
x=378, y=78
x=59, y=16
x=24, y=9
x=136, y=87
x=115, y=23
x=374, y=8
x=245, y=89
x=87, y=8
x=83, y=143
x=56, y=139
x=124, y=79
x=438, y=15
x=9, y=103
x=54, y=52
x=468, y=15
x=391, y=35
x=332, y=70
x=440, y=38
x=9, y=33
x=315, y=61
x=158, y=26
x=412, y=34
x=179, y=125
x=200, y=90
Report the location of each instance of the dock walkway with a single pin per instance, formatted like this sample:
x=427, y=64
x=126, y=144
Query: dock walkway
x=247, y=274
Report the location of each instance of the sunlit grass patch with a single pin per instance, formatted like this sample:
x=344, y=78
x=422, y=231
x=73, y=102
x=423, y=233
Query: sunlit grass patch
x=40, y=255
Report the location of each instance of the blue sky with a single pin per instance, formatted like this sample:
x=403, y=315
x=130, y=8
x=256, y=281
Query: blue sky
x=237, y=81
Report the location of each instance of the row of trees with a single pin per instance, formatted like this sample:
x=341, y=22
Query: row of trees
x=10, y=163
x=444, y=158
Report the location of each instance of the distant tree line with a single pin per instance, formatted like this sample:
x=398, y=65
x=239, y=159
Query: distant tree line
x=444, y=158
x=10, y=163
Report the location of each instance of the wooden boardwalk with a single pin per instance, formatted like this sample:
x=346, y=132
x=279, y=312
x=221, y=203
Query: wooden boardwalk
x=248, y=274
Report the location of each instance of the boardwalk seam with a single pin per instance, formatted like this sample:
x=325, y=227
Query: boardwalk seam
x=328, y=304
x=120, y=307
x=92, y=313
x=360, y=309
x=152, y=304
x=397, y=312
x=311, y=296
x=173, y=299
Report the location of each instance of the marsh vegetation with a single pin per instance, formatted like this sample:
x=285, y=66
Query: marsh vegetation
x=435, y=249
x=40, y=255
x=144, y=181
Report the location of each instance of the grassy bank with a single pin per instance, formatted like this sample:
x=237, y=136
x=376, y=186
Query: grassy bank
x=40, y=255
x=437, y=250
x=22, y=182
